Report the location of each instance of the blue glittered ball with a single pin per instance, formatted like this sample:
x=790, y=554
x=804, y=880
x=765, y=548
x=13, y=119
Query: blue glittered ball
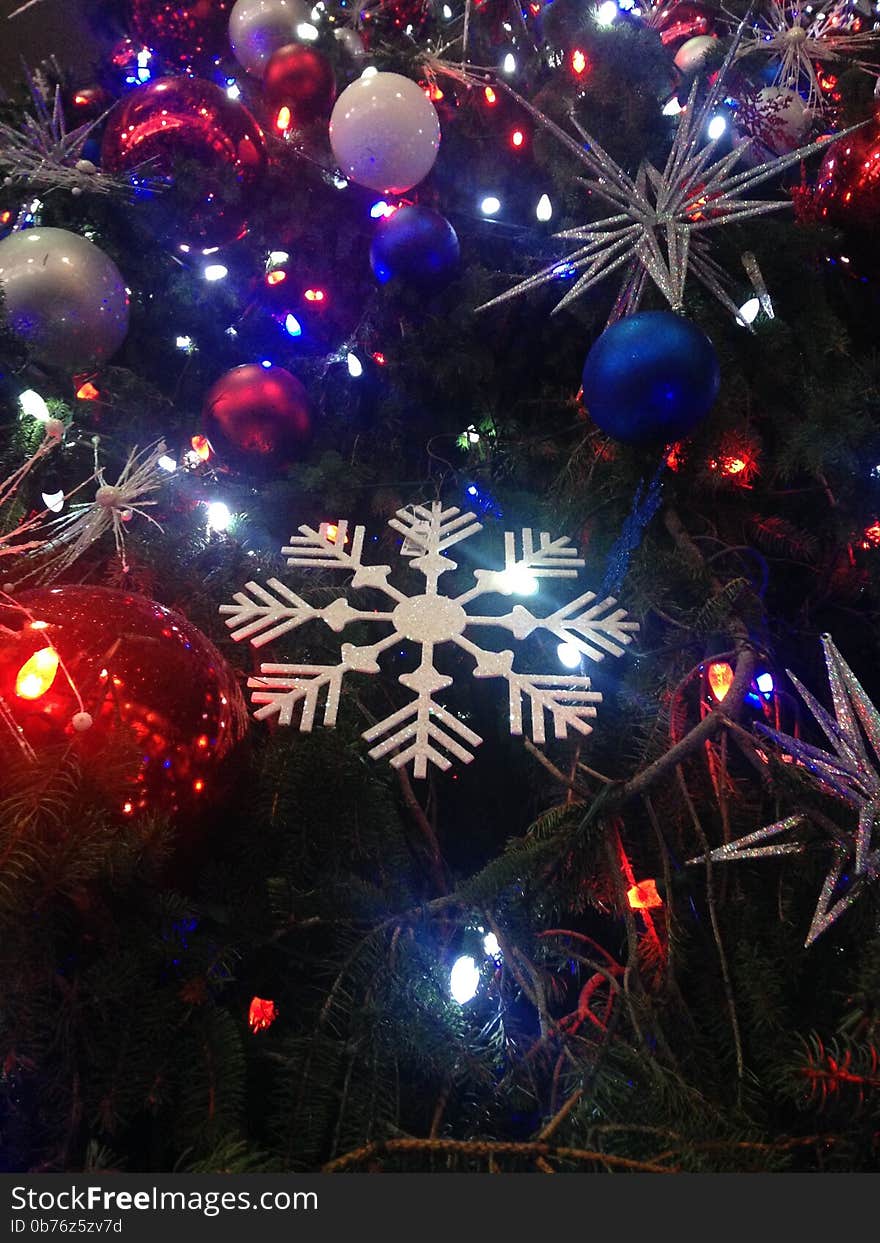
x=417, y=246
x=651, y=377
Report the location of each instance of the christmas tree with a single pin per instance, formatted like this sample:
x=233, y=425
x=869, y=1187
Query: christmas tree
x=438, y=630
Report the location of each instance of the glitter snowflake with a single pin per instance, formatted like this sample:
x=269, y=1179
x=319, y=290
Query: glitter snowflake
x=794, y=37
x=423, y=731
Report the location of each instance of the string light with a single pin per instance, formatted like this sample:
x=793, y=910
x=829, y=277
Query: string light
x=764, y=683
x=464, y=979
x=314, y=295
x=219, y=516
x=33, y=405
x=277, y=257
x=672, y=107
x=716, y=127
x=490, y=205
x=233, y=90
x=292, y=326
x=643, y=896
x=307, y=32
x=54, y=501
x=277, y=277
x=720, y=678
x=518, y=581
x=167, y=463
x=184, y=343
x=215, y=272
x=544, y=210
x=87, y=392
x=517, y=138
x=283, y=119
x=569, y=655
x=491, y=946
x=606, y=14
x=491, y=97
x=748, y=312
x=355, y=366
x=262, y=1013
x=37, y=674
x=579, y=62
x=381, y=210
x=508, y=65
x=201, y=446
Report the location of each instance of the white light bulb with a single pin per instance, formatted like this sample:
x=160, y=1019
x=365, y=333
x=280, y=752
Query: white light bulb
x=544, y=210
x=490, y=205
x=307, y=32
x=370, y=72
x=473, y=436
x=355, y=366
x=716, y=127
x=490, y=945
x=447, y=12
x=183, y=343
x=277, y=257
x=32, y=403
x=233, y=90
x=764, y=683
x=54, y=501
x=606, y=13
x=464, y=979
x=219, y=516
x=292, y=326
x=748, y=312
x=167, y=462
x=508, y=65
x=672, y=107
x=519, y=581
x=569, y=655
x=215, y=272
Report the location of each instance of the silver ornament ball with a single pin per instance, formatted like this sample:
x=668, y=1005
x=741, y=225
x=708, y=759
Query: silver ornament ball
x=64, y=297
x=257, y=28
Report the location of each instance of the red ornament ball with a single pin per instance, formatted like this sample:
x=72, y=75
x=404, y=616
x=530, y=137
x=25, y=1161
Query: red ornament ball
x=173, y=122
x=676, y=23
x=149, y=682
x=301, y=79
x=257, y=418
x=848, y=184
x=182, y=30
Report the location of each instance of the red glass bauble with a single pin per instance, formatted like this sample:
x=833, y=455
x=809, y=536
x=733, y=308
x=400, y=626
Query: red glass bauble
x=175, y=122
x=301, y=79
x=257, y=418
x=152, y=685
x=848, y=184
x=187, y=31
x=676, y=23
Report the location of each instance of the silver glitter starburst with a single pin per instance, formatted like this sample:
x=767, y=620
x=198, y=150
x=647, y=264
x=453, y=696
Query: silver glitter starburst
x=794, y=37
x=42, y=154
x=660, y=217
x=849, y=771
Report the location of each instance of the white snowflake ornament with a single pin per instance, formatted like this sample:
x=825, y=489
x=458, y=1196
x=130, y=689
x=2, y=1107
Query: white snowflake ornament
x=423, y=731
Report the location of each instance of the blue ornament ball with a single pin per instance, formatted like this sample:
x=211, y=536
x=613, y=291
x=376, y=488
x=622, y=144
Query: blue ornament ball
x=417, y=246
x=651, y=377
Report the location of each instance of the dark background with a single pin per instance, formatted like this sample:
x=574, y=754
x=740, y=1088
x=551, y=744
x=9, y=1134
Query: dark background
x=57, y=26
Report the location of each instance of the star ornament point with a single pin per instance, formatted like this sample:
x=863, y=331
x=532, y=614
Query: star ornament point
x=847, y=769
x=423, y=732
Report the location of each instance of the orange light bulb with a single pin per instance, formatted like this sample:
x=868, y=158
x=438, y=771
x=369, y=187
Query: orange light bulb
x=644, y=896
x=37, y=674
x=262, y=1014
x=720, y=678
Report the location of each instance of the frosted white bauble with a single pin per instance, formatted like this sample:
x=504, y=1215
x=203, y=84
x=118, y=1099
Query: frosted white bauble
x=257, y=28
x=786, y=119
x=693, y=52
x=385, y=132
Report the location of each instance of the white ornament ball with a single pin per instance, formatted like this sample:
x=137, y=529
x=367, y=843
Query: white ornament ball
x=693, y=52
x=257, y=28
x=385, y=132
x=785, y=119
x=81, y=721
x=63, y=297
